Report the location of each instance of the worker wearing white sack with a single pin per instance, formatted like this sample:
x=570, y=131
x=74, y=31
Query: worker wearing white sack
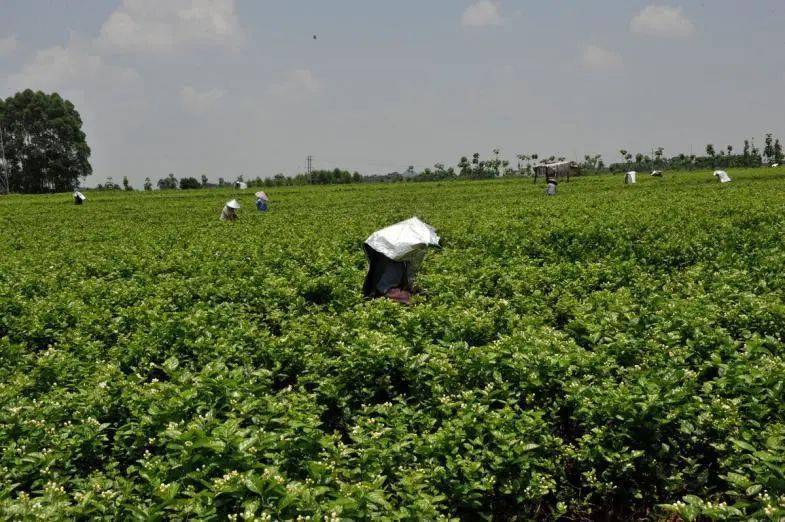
x=656, y=173
x=722, y=176
x=229, y=213
x=79, y=198
x=394, y=256
x=550, y=190
x=629, y=178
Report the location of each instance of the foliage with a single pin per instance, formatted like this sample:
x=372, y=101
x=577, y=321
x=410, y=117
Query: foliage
x=167, y=183
x=190, y=183
x=111, y=185
x=615, y=352
x=45, y=146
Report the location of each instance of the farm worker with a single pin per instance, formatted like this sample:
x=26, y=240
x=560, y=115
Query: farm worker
x=229, y=213
x=394, y=257
x=656, y=173
x=261, y=201
x=722, y=176
x=79, y=198
x=629, y=178
x=550, y=190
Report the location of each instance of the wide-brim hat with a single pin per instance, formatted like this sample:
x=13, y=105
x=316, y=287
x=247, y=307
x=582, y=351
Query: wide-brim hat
x=233, y=204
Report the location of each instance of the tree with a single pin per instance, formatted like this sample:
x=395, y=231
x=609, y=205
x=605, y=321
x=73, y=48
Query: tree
x=658, y=155
x=189, y=183
x=204, y=180
x=623, y=154
x=710, y=150
x=221, y=182
x=168, y=183
x=148, y=185
x=778, y=157
x=126, y=186
x=464, y=168
x=768, y=149
x=45, y=146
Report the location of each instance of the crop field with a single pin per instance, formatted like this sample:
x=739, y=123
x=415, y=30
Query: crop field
x=614, y=352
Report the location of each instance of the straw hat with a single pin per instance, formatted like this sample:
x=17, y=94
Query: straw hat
x=233, y=204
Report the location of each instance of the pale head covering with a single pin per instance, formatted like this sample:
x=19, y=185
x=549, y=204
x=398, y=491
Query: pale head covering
x=722, y=176
x=233, y=204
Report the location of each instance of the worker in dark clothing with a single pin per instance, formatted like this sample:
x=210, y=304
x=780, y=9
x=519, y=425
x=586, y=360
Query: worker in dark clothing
x=394, y=256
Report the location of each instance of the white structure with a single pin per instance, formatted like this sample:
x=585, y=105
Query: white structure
x=722, y=176
x=629, y=178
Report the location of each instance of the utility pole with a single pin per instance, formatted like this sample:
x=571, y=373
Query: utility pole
x=309, y=163
x=6, y=187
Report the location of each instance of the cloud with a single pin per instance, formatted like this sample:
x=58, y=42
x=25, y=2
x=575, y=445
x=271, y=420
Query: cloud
x=8, y=45
x=171, y=25
x=481, y=14
x=662, y=21
x=74, y=68
x=199, y=102
x=110, y=99
x=297, y=84
x=600, y=59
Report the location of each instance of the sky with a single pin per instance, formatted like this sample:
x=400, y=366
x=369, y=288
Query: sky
x=230, y=87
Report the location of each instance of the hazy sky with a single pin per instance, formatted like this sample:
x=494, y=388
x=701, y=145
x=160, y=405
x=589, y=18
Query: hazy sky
x=225, y=87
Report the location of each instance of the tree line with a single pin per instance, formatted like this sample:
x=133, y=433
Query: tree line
x=477, y=167
x=45, y=150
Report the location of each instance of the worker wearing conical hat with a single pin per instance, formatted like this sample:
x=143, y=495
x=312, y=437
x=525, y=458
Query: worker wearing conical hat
x=229, y=213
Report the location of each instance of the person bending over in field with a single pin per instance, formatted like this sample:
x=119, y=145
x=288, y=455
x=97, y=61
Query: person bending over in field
x=394, y=255
x=550, y=190
x=261, y=201
x=229, y=213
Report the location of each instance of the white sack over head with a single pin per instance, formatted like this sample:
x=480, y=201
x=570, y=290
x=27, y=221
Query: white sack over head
x=233, y=204
x=722, y=176
x=405, y=240
x=79, y=195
